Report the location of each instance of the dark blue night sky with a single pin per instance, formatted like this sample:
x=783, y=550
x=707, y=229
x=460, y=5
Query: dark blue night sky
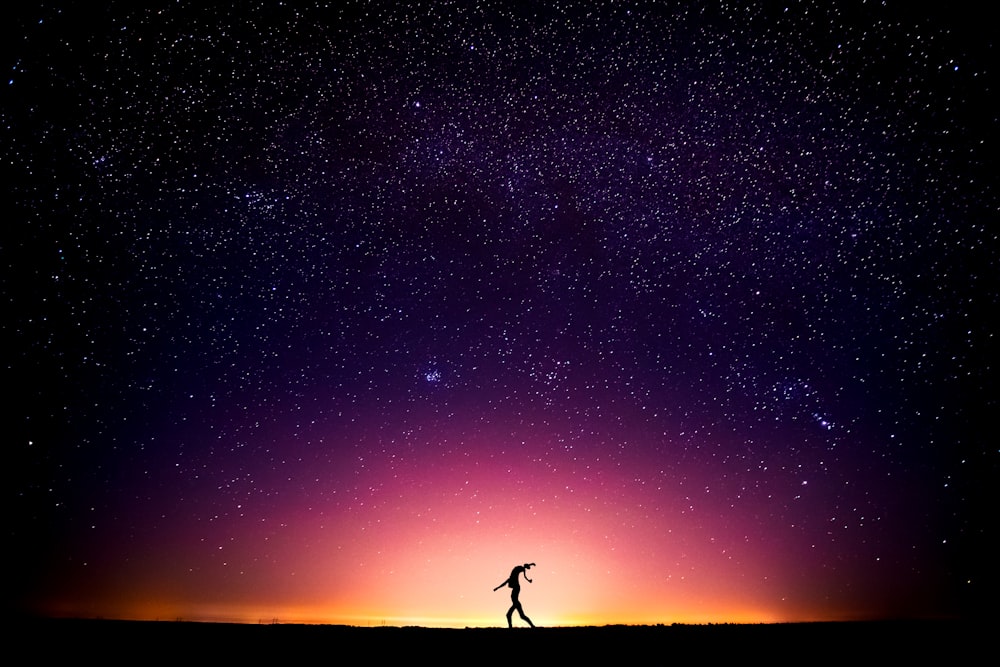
x=722, y=278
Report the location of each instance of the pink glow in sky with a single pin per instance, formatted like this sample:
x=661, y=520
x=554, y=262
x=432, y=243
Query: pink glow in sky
x=421, y=539
x=335, y=312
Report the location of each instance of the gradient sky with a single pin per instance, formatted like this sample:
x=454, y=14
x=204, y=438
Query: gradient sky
x=335, y=312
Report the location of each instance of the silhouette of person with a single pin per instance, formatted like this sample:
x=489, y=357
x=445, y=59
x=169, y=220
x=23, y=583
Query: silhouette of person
x=514, y=581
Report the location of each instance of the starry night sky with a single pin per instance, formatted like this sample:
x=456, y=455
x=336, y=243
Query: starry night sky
x=337, y=311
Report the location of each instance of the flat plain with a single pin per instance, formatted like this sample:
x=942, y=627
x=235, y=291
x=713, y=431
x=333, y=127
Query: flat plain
x=166, y=642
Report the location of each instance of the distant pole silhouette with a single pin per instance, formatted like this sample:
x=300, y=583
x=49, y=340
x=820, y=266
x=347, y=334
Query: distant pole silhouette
x=514, y=581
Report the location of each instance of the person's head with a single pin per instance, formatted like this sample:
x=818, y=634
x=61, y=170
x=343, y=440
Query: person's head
x=527, y=565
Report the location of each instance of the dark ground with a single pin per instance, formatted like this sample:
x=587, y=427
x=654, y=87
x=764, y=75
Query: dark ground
x=135, y=642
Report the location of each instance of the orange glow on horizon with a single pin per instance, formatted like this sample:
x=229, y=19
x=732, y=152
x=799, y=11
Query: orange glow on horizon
x=426, y=544
x=318, y=616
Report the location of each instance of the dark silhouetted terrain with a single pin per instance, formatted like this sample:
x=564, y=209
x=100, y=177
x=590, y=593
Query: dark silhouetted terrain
x=172, y=643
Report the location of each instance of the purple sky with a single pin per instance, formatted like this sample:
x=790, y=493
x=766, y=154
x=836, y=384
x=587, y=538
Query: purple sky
x=341, y=312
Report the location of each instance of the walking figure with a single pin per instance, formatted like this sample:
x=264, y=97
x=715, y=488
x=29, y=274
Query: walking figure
x=514, y=582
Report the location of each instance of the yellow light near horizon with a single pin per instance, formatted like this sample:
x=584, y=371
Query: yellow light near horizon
x=422, y=552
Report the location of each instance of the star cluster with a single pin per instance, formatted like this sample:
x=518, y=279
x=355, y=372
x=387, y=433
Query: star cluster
x=311, y=303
